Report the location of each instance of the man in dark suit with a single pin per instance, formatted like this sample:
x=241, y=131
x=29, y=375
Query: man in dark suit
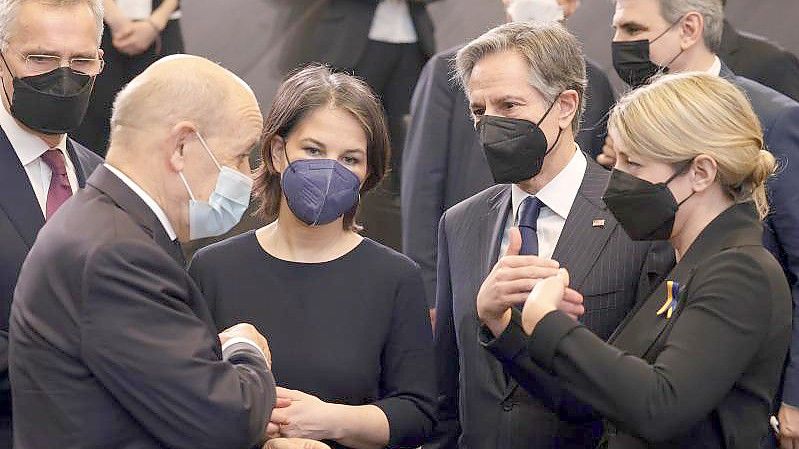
x=385, y=42
x=111, y=342
x=443, y=163
x=551, y=190
x=689, y=42
x=40, y=166
x=758, y=59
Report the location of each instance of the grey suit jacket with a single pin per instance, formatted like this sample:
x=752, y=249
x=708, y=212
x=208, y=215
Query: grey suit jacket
x=481, y=406
x=443, y=163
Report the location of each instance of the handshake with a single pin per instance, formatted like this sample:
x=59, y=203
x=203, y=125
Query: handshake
x=293, y=408
x=537, y=283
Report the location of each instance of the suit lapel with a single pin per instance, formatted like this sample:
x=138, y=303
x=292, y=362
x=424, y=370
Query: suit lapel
x=587, y=229
x=493, y=228
x=77, y=162
x=18, y=199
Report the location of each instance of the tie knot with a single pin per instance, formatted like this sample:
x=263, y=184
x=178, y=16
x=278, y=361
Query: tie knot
x=55, y=160
x=528, y=212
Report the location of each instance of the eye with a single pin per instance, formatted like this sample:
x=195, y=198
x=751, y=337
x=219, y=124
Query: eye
x=312, y=151
x=477, y=112
x=509, y=105
x=350, y=160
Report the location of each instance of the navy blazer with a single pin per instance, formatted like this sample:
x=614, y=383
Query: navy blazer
x=21, y=219
x=756, y=58
x=443, y=162
x=481, y=406
x=779, y=116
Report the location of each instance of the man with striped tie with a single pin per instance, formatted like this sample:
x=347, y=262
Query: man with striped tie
x=50, y=57
x=525, y=83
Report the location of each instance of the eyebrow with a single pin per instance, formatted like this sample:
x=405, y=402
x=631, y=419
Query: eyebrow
x=630, y=24
x=313, y=141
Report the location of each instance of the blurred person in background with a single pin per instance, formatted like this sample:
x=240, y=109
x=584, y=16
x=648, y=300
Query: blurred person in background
x=138, y=33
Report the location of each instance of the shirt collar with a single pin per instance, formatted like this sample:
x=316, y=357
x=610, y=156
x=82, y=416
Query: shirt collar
x=27, y=145
x=558, y=195
x=715, y=69
x=148, y=200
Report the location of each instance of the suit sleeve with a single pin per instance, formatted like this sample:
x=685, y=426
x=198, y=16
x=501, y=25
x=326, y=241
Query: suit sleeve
x=424, y=168
x=782, y=224
x=715, y=337
x=163, y=364
x=408, y=378
x=447, y=365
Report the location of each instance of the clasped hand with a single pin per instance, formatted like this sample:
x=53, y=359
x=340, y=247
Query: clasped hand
x=511, y=282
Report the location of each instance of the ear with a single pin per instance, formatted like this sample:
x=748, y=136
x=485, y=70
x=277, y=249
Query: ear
x=703, y=172
x=569, y=103
x=277, y=152
x=179, y=136
x=691, y=28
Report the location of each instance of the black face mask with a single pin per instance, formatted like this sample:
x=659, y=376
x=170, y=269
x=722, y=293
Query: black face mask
x=645, y=210
x=632, y=63
x=52, y=103
x=515, y=148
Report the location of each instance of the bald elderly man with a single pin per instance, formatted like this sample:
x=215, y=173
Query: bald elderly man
x=111, y=344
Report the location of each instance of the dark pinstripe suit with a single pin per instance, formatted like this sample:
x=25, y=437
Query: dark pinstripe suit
x=480, y=403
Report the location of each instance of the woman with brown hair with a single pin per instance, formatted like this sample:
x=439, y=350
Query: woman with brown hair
x=346, y=317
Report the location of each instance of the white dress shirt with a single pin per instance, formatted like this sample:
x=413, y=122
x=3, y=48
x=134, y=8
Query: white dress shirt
x=715, y=69
x=557, y=198
x=29, y=149
x=392, y=23
x=148, y=200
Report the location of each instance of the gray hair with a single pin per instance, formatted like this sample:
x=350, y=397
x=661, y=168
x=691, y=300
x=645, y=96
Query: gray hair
x=712, y=12
x=10, y=8
x=554, y=56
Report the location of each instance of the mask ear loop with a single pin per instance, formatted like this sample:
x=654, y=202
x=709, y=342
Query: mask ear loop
x=3, y=57
x=665, y=68
x=679, y=172
x=560, y=130
x=207, y=150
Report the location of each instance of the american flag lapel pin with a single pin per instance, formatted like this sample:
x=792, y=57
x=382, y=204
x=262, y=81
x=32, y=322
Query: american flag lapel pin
x=598, y=223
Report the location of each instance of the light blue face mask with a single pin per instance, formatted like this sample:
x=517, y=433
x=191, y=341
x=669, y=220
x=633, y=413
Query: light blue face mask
x=225, y=207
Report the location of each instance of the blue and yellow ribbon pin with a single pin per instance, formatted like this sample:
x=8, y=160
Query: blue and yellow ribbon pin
x=672, y=293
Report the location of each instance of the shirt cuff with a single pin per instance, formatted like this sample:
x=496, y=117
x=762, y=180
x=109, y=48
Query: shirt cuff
x=546, y=337
x=508, y=344
x=239, y=340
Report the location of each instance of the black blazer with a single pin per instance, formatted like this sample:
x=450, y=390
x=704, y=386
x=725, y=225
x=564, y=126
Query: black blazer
x=338, y=31
x=443, y=162
x=21, y=219
x=705, y=377
x=481, y=406
x=756, y=58
x=112, y=344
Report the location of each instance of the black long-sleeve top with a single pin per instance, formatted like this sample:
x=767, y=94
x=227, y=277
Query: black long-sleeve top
x=354, y=330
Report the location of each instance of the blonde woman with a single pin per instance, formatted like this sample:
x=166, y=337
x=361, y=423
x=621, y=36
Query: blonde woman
x=696, y=363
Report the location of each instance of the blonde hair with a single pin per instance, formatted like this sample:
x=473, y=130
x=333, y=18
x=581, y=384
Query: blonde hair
x=679, y=117
x=553, y=54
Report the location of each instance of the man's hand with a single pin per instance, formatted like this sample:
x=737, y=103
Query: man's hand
x=510, y=282
x=136, y=39
x=789, y=427
x=294, y=443
x=249, y=332
x=305, y=417
x=607, y=158
x=547, y=296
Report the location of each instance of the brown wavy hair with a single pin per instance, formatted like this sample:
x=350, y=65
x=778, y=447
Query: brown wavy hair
x=304, y=91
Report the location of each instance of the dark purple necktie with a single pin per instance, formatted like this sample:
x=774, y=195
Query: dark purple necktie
x=60, y=190
x=528, y=217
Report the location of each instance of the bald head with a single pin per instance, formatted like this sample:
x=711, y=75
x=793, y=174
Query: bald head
x=176, y=125
x=183, y=88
